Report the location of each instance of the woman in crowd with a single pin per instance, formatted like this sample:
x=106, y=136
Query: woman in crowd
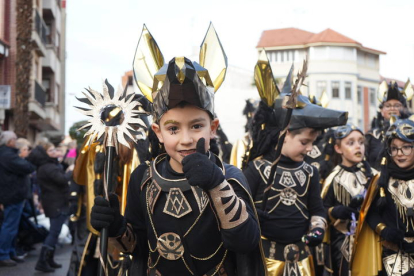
x=53, y=182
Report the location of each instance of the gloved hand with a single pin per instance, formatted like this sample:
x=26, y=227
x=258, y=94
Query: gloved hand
x=106, y=214
x=314, y=237
x=356, y=202
x=343, y=212
x=392, y=234
x=200, y=171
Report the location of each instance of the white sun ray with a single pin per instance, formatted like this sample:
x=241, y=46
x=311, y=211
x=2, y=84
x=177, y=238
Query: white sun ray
x=96, y=127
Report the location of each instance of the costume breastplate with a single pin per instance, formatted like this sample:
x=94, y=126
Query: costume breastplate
x=347, y=185
x=170, y=245
x=402, y=193
x=291, y=185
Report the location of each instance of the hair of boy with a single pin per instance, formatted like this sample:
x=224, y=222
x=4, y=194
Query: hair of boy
x=295, y=132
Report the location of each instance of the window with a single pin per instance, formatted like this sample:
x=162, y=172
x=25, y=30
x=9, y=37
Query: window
x=359, y=94
x=320, y=88
x=269, y=56
x=348, y=89
x=282, y=56
x=372, y=96
x=335, y=89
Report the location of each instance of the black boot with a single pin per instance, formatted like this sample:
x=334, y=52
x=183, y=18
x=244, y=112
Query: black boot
x=42, y=263
x=51, y=260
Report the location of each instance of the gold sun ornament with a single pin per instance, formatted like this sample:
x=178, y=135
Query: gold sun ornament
x=114, y=115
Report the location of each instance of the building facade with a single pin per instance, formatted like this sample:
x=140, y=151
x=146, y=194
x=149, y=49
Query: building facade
x=47, y=77
x=347, y=71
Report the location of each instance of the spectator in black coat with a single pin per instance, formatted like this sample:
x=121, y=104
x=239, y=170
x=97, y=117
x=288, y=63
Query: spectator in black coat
x=13, y=191
x=54, y=187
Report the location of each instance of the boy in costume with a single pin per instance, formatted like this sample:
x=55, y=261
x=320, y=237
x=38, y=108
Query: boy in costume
x=187, y=213
x=294, y=216
x=343, y=193
x=393, y=101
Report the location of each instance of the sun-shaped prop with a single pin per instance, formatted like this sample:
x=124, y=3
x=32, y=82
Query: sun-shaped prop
x=113, y=115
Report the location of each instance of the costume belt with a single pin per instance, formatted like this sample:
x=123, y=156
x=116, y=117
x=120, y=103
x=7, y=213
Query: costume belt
x=293, y=252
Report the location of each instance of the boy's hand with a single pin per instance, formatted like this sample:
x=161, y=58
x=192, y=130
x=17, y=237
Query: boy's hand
x=343, y=212
x=314, y=237
x=106, y=214
x=200, y=171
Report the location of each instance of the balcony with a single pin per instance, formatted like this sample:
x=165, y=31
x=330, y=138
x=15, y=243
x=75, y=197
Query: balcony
x=40, y=94
x=39, y=34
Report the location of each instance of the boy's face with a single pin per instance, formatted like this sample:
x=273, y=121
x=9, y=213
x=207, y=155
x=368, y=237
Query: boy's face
x=401, y=160
x=297, y=146
x=352, y=149
x=179, y=130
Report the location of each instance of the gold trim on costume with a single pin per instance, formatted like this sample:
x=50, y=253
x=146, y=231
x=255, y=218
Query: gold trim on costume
x=227, y=218
x=379, y=228
x=317, y=222
x=126, y=242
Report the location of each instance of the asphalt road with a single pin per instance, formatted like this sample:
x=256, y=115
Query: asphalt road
x=62, y=256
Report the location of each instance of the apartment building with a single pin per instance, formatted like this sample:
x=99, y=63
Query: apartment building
x=339, y=65
x=47, y=77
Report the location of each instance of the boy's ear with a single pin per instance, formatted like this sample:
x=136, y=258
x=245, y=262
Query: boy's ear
x=156, y=128
x=338, y=149
x=213, y=128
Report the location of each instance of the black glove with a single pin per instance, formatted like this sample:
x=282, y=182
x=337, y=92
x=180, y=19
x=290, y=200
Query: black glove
x=392, y=234
x=314, y=237
x=106, y=214
x=200, y=170
x=343, y=212
x=356, y=201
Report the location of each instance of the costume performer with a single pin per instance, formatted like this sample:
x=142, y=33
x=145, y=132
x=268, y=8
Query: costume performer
x=390, y=205
x=88, y=178
x=187, y=213
x=393, y=101
x=343, y=193
x=294, y=209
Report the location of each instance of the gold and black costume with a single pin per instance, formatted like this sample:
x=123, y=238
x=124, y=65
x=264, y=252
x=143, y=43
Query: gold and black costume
x=294, y=208
x=342, y=186
x=179, y=230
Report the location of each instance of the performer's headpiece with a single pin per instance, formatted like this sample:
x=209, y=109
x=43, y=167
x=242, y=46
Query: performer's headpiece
x=391, y=91
x=305, y=114
x=181, y=80
x=402, y=129
x=342, y=132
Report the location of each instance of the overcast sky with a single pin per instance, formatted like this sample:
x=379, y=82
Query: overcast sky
x=102, y=34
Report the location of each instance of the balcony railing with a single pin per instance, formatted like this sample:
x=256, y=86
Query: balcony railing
x=40, y=94
x=40, y=27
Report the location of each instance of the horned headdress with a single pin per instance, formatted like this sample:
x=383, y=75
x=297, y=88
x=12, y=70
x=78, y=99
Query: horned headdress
x=181, y=80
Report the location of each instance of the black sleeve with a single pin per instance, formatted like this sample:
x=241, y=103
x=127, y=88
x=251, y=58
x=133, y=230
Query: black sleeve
x=329, y=200
x=373, y=216
x=134, y=212
x=315, y=204
x=55, y=173
x=253, y=178
x=244, y=237
x=19, y=165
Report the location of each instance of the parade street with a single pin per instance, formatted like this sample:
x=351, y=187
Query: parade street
x=27, y=268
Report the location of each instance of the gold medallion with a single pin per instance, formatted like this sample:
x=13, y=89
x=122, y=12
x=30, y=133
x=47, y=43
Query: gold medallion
x=170, y=247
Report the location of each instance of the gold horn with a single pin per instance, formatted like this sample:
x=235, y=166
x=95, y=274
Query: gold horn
x=148, y=60
x=382, y=90
x=408, y=90
x=265, y=82
x=324, y=99
x=213, y=58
